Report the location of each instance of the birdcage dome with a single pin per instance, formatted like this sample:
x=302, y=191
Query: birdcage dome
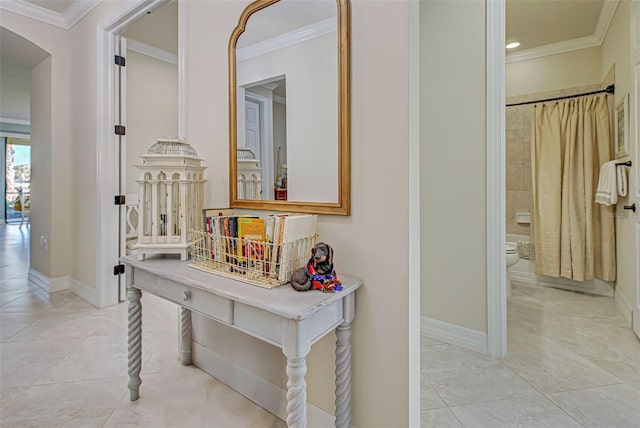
x=244, y=153
x=172, y=147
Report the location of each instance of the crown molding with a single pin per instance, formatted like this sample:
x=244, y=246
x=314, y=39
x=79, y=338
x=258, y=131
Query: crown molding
x=66, y=20
x=152, y=51
x=281, y=41
x=606, y=16
x=604, y=21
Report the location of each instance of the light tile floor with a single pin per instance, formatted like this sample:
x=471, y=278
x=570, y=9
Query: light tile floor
x=64, y=362
x=572, y=362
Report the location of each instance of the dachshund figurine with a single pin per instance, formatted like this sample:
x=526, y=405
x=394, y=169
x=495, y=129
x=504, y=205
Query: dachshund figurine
x=319, y=273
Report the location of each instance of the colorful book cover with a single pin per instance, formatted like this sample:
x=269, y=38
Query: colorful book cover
x=250, y=238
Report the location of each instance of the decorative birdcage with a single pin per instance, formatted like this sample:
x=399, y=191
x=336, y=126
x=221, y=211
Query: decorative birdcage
x=170, y=198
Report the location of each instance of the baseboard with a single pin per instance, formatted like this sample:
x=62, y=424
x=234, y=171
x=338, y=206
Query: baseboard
x=452, y=334
x=257, y=389
x=625, y=307
x=599, y=288
x=49, y=285
x=39, y=280
x=83, y=291
x=59, y=284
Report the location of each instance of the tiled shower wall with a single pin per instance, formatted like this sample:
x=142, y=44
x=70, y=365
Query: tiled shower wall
x=518, y=167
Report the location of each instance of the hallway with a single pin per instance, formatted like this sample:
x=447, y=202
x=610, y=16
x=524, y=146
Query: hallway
x=64, y=363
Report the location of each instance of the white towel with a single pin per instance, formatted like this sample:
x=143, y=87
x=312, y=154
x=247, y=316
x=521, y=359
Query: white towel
x=621, y=173
x=607, y=192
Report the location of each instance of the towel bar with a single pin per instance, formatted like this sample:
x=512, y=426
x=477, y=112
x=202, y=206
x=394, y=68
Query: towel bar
x=627, y=163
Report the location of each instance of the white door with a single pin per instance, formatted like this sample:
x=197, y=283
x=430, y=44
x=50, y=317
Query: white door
x=634, y=147
x=252, y=127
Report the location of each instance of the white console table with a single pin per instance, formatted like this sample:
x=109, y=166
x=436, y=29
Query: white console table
x=291, y=320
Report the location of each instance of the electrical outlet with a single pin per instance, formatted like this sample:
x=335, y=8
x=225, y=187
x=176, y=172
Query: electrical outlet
x=44, y=242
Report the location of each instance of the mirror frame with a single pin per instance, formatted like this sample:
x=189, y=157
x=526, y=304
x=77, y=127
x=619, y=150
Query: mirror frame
x=343, y=206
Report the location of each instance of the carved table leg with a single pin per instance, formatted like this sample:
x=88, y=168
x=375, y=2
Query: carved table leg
x=296, y=393
x=343, y=375
x=185, y=336
x=135, y=339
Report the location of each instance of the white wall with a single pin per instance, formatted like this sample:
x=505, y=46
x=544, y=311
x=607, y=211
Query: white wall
x=452, y=152
x=152, y=108
x=41, y=167
x=616, y=52
x=380, y=344
x=553, y=72
x=55, y=223
x=380, y=339
x=311, y=70
x=15, y=90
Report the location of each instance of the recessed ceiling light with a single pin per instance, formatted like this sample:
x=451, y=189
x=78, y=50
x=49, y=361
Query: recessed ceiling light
x=513, y=45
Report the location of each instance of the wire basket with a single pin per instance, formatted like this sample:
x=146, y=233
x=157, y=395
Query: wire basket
x=264, y=264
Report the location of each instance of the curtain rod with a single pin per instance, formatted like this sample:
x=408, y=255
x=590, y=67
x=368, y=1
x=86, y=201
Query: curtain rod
x=609, y=90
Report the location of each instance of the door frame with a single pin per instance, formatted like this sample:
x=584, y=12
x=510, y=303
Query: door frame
x=495, y=171
x=107, y=156
x=634, y=55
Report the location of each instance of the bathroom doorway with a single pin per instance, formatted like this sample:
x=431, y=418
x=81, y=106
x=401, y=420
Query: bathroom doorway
x=552, y=319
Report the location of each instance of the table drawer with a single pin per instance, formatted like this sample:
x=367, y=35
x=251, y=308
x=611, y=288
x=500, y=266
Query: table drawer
x=259, y=323
x=144, y=280
x=201, y=301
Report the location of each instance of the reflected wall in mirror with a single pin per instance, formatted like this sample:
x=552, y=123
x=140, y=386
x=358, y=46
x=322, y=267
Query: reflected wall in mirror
x=289, y=107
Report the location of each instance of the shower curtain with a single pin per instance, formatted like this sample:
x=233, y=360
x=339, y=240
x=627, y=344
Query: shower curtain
x=574, y=236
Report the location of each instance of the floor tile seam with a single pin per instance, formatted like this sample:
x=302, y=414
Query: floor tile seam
x=8, y=339
x=22, y=294
x=565, y=411
x=69, y=381
x=56, y=363
x=436, y=391
x=512, y=397
x=591, y=387
x=457, y=418
x=569, y=390
x=124, y=394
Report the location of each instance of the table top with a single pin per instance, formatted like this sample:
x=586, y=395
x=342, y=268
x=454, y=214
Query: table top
x=283, y=300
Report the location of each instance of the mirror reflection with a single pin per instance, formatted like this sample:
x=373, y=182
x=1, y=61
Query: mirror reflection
x=287, y=103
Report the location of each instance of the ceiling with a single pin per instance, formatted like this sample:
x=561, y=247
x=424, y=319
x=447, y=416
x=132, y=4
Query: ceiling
x=546, y=27
x=158, y=28
x=19, y=50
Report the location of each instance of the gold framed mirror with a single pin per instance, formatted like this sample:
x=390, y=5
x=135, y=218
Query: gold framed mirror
x=289, y=107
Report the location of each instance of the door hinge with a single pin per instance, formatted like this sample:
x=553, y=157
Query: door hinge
x=120, y=130
x=120, y=60
x=120, y=200
x=118, y=269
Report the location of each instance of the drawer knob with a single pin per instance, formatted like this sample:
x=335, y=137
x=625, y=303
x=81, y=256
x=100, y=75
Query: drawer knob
x=186, y=295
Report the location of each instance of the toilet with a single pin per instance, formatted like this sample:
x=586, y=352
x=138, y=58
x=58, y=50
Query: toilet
x=512, y=258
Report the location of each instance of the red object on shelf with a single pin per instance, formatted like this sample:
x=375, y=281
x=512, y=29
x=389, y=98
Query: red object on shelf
x=281, y=194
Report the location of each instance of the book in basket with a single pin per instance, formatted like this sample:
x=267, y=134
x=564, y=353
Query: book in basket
x=294, y=228
x=250, y=239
